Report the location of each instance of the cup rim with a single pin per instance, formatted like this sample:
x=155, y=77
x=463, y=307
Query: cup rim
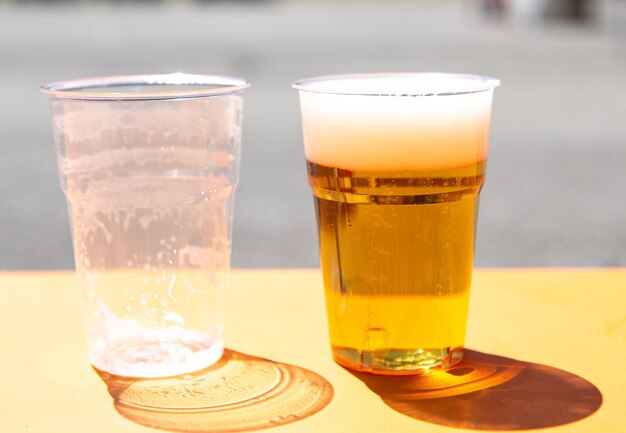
x=79, y=89
x=474, y=84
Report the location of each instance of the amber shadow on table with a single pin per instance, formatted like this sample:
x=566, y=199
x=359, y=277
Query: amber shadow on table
x=489, y=392
x=240, y=393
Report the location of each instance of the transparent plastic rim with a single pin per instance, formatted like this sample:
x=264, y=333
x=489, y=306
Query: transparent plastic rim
x=79, y=89
x=363, y=84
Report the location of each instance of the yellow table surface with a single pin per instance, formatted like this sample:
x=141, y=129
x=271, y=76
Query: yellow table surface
x=548, y=350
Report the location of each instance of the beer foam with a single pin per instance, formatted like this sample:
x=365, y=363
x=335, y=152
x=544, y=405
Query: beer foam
x=386, y=123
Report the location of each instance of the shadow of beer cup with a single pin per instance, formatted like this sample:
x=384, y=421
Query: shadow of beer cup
x=489, y=392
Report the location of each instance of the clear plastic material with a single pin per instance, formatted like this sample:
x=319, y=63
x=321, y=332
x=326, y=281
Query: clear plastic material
x=149, y=166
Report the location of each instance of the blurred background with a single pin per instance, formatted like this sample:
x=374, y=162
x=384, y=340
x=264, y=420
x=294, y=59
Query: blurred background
x=556, y=184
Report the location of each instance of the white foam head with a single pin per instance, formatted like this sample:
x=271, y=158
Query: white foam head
x=396, y=121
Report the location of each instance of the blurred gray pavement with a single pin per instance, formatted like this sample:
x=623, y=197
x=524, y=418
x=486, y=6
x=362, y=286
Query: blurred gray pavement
x=556, y=184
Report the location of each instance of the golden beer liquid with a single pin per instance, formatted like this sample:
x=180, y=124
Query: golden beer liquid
x=397, y=252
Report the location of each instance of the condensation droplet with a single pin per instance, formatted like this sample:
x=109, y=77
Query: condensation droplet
x=173, y=319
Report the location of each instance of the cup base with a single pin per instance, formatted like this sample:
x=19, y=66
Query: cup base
x=397, y=362
x=152, y=358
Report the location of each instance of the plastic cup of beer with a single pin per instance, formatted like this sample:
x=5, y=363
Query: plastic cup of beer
x=149, y=166
x=396, y=163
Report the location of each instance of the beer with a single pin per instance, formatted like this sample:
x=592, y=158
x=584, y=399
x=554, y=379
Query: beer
x=396, y=252
x=396, y=163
